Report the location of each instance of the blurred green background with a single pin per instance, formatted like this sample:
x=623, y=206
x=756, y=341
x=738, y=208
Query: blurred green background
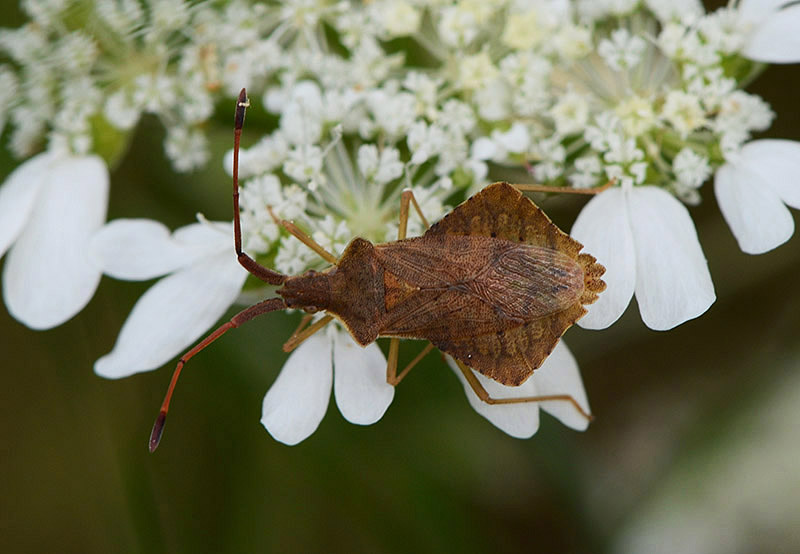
x=695, y=447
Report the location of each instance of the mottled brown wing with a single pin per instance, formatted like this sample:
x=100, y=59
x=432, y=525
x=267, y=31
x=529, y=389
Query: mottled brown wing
x=502, y=211
x=511, y=356
x=508, y=280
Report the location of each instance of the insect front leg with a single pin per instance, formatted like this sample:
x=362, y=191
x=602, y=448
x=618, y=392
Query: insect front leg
x=300, y=235
x=485, y=397
x=302, y=332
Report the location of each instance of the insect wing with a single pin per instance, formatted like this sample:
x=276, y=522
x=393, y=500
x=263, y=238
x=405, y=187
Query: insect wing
x=502, y=211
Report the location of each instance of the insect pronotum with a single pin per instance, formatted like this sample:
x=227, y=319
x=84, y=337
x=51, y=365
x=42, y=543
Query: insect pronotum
x=494, y=284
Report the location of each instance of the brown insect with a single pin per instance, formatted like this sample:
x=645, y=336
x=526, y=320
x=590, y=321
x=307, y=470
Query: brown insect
x=494, y=284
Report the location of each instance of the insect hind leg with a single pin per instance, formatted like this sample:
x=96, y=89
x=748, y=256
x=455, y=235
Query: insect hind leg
x=394, y=378
x=484, y=395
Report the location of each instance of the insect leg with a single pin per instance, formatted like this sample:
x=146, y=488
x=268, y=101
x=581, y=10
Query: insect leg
x=484, y=395
x=567, y=190
x=264, y=273
x=405, y=198
x=392, y=377
x=303, y=237
x=299, y=336
x=303, y=323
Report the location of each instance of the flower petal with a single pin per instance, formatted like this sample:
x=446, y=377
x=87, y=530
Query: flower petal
x=775, y=39
x=673, y=284
x=296, y=403
x=17, y=196
x=172, y=315
x=777, y=162
x=756, y=11
x=756, y=215
x=49, y=276
x=137, y=249
x=359, y=380
x=559, y=374
x=205, y=236
x=604, y=230
x=518, y=420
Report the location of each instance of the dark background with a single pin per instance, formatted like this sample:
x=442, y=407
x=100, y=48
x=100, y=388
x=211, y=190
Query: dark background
x=432, y=475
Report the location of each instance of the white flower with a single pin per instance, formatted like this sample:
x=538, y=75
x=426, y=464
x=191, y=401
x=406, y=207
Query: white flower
x=623, y=50
x=525, y=30
x=502, y=144
x=636, y=114
x=398, y=18
x=587, y=172
x=49, y=208
x=648, y=244
x=558, y=374
x=752, y=188
x=297, y=401
x=187, y=148
x=676, y=9
x=683, y=111
x=457, y=26
x=774, y=28
x=570, y=113
x=573, y=41
x=691, y=168
x=202, y=278
x=476, y=71
x=379, y=167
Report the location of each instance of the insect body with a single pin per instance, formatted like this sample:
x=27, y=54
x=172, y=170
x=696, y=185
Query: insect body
x=494, y=284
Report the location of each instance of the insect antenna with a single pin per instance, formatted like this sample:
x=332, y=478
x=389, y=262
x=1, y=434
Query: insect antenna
x=264, y=273
x=264, y=307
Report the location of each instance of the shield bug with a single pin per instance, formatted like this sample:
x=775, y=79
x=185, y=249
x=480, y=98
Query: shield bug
x=494, y=284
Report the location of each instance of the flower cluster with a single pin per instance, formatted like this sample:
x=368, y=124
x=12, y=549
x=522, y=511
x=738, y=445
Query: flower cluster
x=369, y=99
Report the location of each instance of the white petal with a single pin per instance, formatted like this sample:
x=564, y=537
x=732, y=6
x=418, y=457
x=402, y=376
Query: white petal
x=359, y=384
x=17, y=196
x=559, y=374
x=172, y=315
x=297, y=401
x=137, y=249
x=518, y=420
x=756, y=11
x=756, y=215
x=49, y=276
x=209, y=235
x=777, y=163
x=673, y=284
x=776, y=39
x=604, y=230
